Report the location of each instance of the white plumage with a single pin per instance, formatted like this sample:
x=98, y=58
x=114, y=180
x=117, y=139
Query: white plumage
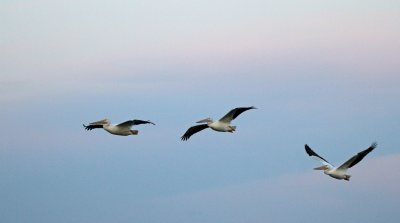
x=339, y=172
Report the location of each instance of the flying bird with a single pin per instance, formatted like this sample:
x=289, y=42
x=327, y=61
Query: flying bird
x=122, y=129
x=339, y=172
x=222, y=125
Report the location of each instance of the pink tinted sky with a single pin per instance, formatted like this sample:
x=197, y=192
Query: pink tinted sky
x=72, y=41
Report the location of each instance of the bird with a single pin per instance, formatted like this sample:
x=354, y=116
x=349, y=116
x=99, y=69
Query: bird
x=122, y=129
x=222, y=125
x=339, y=172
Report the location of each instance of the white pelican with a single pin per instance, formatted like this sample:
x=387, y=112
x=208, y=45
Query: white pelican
x=222, y=125
x=339, y=172
x=122, y=129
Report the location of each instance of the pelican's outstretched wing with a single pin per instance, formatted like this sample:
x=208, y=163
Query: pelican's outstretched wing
x=232, y=114
x=192, y=130
x=97, y=125
x=314, y=155
x=90, y=127
x=130, y=123
x=357, y=158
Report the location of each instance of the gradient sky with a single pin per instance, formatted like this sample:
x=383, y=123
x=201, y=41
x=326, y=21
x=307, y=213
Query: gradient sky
x=325, y=73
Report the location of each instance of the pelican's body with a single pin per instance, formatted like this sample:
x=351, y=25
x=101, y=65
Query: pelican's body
x=122, y=129
x=222, y=125
x=116, y=130
x=340, y=172
x=337, y=173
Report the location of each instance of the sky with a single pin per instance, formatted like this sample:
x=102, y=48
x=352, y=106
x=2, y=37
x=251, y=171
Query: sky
x=322, y=73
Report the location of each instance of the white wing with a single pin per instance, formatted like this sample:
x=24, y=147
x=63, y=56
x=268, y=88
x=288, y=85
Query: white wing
x=315, y=156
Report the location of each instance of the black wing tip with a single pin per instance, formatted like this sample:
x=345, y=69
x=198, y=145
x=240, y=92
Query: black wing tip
x=146, y=122
x=185, y=138
x=139, y=121
x=311, y=152
x=245, y=108
x=308, y=150
x=248, y=108
x=374, y=145
x=86, y=127
x=91, y=127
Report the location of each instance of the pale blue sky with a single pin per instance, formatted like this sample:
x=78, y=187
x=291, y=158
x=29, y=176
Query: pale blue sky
x=324, y=73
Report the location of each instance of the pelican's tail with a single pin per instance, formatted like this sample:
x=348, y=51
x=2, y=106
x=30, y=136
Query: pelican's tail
x=347, y=177
x=134, y=132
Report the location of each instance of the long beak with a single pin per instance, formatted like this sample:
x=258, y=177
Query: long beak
x=324, y=167
x=206, y=120
x=101, y=122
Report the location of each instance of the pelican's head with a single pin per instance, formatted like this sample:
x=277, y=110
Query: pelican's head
x=206, y=120
x=101, y=122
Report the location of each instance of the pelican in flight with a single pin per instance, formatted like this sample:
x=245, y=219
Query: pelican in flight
x=222, y=125
x=122, y=129
x=339, y=172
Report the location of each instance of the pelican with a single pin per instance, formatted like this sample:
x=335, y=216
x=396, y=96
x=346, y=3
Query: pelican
x=339, y=172
x=122, y=129
x=222, y=125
